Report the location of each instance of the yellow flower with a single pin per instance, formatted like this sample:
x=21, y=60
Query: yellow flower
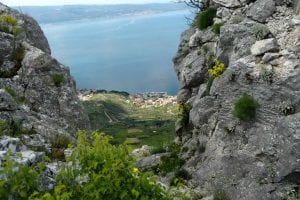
x=217, y=70
x=135, y=171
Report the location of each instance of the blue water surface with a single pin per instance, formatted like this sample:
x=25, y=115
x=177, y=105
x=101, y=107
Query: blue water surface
x=132, y=53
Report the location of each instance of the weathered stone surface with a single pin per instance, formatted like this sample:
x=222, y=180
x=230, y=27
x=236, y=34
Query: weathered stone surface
x=144, y=151
x=261, y=10
x=7, y=103
x=228, y=3
x=263, y=46
x=150, y=162
x=269, y=57
x=31, y=31
x=32, y=105
x=257, y=159
x=297, y=7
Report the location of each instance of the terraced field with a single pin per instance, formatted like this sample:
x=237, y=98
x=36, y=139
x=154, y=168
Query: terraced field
x=118, y=116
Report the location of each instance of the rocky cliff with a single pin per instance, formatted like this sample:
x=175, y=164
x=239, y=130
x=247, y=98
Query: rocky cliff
x=259, y=45
x=38, y=97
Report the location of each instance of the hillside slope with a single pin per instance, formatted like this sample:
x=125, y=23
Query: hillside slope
x=247, y=117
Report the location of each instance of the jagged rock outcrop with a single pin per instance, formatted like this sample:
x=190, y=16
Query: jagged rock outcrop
x=259, y=44
x=38, y=97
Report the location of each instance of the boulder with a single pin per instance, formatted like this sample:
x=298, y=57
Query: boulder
x=144, y=151
x=261, y=10
x=263, y=46
x=150, y=162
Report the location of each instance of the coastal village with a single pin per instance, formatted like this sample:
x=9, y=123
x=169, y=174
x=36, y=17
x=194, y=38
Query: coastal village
x=144, y=100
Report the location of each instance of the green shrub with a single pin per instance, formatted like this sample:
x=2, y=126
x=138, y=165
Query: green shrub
x=220, y=195
x=171, y=162
x=208, y=85
x=245, y=108
x=96, y=170
x=158, y=150
x=267, y=74
x=11, y=91
x=217, y=28
x=19, y=182
x=59, y=143
x=9, y=24
x=103, y=171
x=259, y=31
x=58, y=79
x=190, y=66
x=13, y=128
x=205, y=18
x=210, y=60
x=184, y=113
x=180, y=176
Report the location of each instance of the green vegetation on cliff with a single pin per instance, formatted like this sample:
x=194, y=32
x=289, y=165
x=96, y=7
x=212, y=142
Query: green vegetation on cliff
x=96, y=170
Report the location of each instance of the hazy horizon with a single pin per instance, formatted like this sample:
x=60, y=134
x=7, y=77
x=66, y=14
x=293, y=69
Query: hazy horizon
x=78, y=2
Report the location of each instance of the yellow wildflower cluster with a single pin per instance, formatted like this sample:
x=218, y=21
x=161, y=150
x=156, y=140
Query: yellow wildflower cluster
x=8, y=19
x=9, y=24
x=135, y=171
x=217, y=69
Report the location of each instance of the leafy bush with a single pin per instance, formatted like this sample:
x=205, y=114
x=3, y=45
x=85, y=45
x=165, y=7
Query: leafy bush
x=217, y=70
x=220, y=195
x=103, y=171
x=245, y=108
x=217, y=28
x=58, y=79
x=19, y=181
x=205, y=18
x=184, y=113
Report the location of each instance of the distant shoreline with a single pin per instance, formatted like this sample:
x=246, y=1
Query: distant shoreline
x=124, y=93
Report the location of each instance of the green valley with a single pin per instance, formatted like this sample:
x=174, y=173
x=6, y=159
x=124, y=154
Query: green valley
x=144, y=119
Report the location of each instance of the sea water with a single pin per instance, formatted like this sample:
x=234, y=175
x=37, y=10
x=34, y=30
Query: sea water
x=128, y=53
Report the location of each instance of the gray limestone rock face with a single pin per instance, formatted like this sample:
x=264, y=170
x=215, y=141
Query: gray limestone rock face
x=257, y=159
x=261, y=10
x=263, y=46
x=228, y=3
x=150, y=162
x=297, y=7
x=7, y=103
x=37, y=93
x=31, y=31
